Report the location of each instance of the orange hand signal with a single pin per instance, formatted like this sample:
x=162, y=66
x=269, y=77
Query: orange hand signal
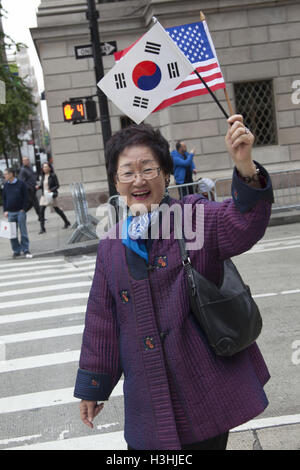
x=68, y=110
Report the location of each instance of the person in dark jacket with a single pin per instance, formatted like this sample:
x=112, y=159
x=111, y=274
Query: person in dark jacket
x=28, y=176
x=178, y=394
x=15, y=199
x=49, y=186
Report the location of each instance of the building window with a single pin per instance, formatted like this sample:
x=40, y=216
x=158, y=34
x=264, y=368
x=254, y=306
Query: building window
x=126, y=121
x=255, y=101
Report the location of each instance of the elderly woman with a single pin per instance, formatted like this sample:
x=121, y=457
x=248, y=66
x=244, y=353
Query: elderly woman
x=178, y=393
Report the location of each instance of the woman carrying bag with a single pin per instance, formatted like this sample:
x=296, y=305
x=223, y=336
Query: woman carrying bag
x=49, y=186
x=178, y=393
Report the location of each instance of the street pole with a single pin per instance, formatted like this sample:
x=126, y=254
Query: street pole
x=92, y=16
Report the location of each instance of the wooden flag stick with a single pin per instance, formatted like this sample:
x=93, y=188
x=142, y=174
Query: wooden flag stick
x=202, y=18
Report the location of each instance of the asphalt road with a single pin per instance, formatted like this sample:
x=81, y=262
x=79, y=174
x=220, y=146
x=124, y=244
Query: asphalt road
x=42, y=305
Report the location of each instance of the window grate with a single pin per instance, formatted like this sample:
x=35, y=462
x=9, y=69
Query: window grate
x=254, y=100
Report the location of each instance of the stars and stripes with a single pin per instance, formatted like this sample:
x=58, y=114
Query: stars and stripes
x=149, y=72
x=195, y=42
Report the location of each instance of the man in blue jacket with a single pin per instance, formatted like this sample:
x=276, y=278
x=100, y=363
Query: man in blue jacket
x=184, y=168
x=15, y=199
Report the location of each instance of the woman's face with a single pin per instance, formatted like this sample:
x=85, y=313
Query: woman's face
x=141, y=193
x=46, y=168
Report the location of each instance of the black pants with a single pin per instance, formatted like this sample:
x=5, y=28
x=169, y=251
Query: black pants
x=33, y=201
x=57, y=210
x=215, y=443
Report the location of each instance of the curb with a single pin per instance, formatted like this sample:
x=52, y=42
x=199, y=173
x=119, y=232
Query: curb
x=74, y=250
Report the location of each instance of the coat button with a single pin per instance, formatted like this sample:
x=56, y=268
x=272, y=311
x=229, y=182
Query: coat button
x=162, y=335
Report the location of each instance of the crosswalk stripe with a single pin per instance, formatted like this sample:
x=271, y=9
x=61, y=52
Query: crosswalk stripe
x=43, y=360
x=102, y=441
x=32, y=262
x=42, y=334
x=40, y=314
x=257, y=250
x=67, y=274
x=48, y=288
x=44, y=300
x=47, y=398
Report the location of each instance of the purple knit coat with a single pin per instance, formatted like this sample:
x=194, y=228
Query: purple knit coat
x=176, y=390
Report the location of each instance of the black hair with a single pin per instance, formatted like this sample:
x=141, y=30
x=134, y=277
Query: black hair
x=178, y=145
x=141, y=134
x=11, y=170
x=49, y=165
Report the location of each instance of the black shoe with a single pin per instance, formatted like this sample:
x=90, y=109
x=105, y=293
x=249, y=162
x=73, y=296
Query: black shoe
x=16, y=255
x=28, y=255
x=43, y=230
x=67, y=224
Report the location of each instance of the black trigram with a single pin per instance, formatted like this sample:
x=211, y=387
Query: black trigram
x=152, y=47
x=140, y=102
x=173, y=70
x=120, y=80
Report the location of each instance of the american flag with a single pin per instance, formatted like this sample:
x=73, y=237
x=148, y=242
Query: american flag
x=195, y=42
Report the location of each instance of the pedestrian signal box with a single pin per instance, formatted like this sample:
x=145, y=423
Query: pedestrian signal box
x=73, y=111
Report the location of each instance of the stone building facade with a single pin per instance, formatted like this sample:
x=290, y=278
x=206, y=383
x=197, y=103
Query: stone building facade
x=257, y=41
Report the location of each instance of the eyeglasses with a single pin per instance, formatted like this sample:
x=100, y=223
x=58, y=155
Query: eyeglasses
x=147, y=174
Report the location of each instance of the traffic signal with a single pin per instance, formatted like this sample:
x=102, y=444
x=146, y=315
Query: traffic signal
x=91, y=110
x=73, y=111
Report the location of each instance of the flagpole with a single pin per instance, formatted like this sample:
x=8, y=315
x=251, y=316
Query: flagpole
x=202, y=18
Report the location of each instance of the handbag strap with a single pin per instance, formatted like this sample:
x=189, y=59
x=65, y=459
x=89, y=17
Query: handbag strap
x=187, y=265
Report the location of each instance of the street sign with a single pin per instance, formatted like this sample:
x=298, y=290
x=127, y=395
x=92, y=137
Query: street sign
x=73, y=111
x=86, y=51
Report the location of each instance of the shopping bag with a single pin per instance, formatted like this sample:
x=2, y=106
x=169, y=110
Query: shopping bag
x=8, y=229
x=49, y=198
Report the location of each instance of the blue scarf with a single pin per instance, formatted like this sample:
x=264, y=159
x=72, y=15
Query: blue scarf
x=135, y=232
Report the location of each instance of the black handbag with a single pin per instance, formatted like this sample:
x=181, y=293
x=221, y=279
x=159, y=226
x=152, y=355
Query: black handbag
x=228, y=315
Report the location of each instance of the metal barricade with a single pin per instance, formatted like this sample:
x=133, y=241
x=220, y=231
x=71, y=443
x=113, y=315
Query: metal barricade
x=85, y=223
x=178, y=191
x=286, y=186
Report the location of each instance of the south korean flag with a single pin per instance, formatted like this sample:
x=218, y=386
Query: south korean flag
x=146, y=75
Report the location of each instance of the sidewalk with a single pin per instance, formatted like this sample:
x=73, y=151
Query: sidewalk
x=55, y=241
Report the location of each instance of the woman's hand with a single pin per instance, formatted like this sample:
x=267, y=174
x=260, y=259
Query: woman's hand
x=88, y=411
x=239, y=143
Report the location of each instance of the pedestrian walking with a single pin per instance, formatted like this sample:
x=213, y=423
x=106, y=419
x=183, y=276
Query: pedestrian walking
x=49, y=186
x=178, y=394
x=15, y=199
x=184, y=168
x=28, y=176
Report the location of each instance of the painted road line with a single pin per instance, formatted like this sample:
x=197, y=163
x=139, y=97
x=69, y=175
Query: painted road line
x=2, y=350
x=48, y=288
x=256, y=250
x=40, y=314
x=270, y=240
x=44, y=300
x=44, y=360
x=19, y=439
x=115, y=440
x=68, y=274
x=103, y=441
x=286, y=420
x=47, y=398
x=29, y=267
x=41, y=334
x=32, y=262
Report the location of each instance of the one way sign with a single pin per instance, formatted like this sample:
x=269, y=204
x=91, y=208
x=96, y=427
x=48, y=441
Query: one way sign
x=84, y=52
